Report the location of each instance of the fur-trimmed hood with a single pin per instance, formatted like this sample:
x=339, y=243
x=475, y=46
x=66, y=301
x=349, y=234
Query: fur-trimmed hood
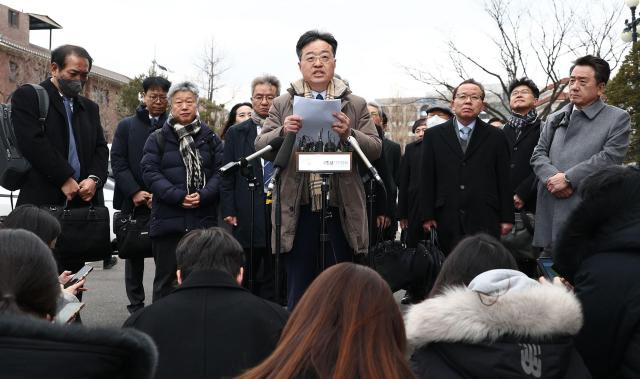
x=537, y=312
x=340, y=88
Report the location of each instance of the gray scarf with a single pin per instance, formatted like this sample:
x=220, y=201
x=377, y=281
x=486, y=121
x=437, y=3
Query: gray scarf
x=190, y=155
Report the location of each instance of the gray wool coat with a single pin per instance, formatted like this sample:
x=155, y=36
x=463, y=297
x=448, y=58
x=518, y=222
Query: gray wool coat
x=588, y=140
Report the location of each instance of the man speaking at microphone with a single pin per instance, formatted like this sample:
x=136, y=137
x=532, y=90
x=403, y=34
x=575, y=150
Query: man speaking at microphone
x=301, y=217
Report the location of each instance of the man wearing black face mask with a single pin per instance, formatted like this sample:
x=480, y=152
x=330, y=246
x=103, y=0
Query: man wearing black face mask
x=69, y=158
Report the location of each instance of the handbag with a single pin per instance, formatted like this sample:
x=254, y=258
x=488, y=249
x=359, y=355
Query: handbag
x=519, y=240
x=85, y=232
x=132, y=234
x=392, y=260
x=427, y=262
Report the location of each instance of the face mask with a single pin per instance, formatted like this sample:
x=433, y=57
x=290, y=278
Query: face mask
x=435, y=120
x=70, y=88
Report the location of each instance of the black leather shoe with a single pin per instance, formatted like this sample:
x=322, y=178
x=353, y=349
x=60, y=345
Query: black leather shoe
x=108, y=263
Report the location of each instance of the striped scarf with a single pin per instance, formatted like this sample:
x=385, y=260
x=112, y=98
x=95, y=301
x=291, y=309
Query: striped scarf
x=519, y=122
x=190, y=155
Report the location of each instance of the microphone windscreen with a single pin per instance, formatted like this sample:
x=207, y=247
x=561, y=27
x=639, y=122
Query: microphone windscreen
x=284, y=154
x=276, y=143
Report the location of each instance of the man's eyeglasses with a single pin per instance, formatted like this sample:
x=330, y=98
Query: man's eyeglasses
x=158, y=99
x=323, y=58
x=523, y=92
x=465, y=97
x=260, y=98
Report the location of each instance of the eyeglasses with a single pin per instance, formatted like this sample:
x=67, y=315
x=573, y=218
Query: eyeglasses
x=188, y=103
x=465, y=97
x=323, y=58
x=523, y=92
x=373, y=114
x=158, y=99
x=261, y=98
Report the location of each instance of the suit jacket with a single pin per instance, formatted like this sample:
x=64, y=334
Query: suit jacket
x=594, y=138
x=468, y=192
x=234, y=192
x=523, y=180
x=409, y=191
x=47, y=152
x=210, y=327
x=126, y=154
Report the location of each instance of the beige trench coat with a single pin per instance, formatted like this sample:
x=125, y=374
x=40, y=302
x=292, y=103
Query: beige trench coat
x=351, y=190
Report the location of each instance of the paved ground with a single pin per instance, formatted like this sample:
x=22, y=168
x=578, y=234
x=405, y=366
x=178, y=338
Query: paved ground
x=106, y=299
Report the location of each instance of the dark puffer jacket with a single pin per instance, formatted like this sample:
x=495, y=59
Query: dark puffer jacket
x=520, y=334
x=165, y=176
x=599, y=253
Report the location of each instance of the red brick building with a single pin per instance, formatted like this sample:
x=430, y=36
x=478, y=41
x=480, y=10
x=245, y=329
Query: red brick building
x=22, y=62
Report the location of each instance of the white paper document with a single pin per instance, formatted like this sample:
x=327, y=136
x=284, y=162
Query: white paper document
x=316, y=134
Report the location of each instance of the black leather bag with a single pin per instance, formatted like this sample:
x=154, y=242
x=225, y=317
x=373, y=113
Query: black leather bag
x=85, y=232
x=519, y=240
x=392, y=260
x=427, y=262
x=132, y=234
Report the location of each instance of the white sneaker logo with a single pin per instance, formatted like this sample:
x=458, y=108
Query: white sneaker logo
x=530, y=359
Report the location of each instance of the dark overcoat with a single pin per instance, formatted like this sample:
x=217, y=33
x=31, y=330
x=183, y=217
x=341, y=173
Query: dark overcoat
x=409, y=192
x=465, y=192
x=523, y=179
x=210, y=327
x=126, y=155
x=47, y=151
x=235, y=193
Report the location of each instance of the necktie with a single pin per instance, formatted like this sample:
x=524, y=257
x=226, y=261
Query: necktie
x=266, y=174
x=154, y=122
x=464, y=133
x=319, y=97
x=72, y=157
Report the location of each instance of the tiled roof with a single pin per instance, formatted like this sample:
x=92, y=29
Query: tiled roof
x=45, y=53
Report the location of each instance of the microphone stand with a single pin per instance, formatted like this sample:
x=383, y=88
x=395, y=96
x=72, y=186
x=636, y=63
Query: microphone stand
x=246, y=170
x=278, y=227
x=324, y=236
x=371, y=197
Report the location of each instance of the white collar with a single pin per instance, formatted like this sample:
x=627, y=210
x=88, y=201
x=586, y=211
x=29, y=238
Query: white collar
x=460, y=126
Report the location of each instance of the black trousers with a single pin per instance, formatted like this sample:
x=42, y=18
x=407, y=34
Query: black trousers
x=133, y=275
x=304, y=261
x=164, y=255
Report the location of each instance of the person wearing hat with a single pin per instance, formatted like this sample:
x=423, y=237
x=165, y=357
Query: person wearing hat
x=409, y=188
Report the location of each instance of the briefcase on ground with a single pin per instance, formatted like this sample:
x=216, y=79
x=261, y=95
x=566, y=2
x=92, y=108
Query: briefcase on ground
x=519, y=240
x=85, y=232
x=132, y=234
x=427, y=262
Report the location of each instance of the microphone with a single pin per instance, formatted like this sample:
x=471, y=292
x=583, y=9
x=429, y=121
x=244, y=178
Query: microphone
x=356, y=146
x=233, y=166
x=282, y=159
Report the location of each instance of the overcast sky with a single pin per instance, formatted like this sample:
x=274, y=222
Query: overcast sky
x=375, y=38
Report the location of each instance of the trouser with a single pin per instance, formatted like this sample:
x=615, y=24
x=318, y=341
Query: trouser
x=133, y=275
x=304, y=261
x=164, y=255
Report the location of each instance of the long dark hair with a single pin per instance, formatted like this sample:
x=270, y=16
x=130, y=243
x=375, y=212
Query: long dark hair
x=35, y=220
x=347, y=325
x=231, y=119
x=471, y=257
x=28, y=274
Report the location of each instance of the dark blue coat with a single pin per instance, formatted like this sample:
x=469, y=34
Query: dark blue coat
x=236, y=198
x=165, y=175
x=126, y=155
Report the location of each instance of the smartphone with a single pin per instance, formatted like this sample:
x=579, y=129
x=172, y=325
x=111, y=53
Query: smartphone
x=78, y=276
x=545, y=265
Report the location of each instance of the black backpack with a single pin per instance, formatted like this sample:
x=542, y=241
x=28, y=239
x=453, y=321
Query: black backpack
x=13, y=166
